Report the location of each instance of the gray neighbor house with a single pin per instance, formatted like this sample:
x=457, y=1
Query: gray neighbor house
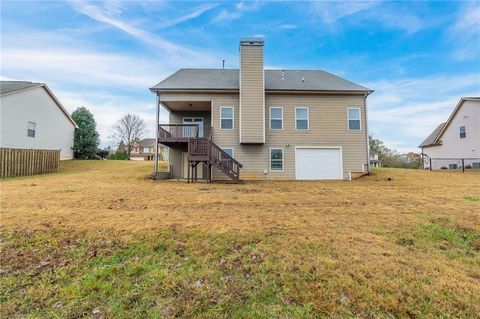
x=263, y=124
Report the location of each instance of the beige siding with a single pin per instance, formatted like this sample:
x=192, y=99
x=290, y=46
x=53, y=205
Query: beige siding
x=252, y=95
x=328, y=126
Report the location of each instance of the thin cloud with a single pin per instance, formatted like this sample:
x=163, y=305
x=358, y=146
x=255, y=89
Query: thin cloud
x=465, y=32
x=192, y=15
x=331, y=12
x=237, y=11
x=98, y=14
x=288, y=26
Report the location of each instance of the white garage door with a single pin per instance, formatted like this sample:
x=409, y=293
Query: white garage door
x=318, y=163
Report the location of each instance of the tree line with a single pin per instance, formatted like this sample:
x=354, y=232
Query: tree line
x=391, y=158
x=126, y=131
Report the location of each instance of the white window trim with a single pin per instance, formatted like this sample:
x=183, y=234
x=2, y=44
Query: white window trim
x=308, y=118
x=270, y=118
x=233, y=118
x=270, y=160
x=464, y=131
x=229, y=148
x=34, y=130
x=193, y=118
x=359, y=118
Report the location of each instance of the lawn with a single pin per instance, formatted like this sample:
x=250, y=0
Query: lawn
x=100, y=240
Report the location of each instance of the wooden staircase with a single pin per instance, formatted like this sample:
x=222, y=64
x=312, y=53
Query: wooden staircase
x=200, y=151
x=203, y=150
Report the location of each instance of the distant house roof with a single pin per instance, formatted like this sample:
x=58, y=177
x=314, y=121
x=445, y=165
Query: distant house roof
x=275, y=80
x=434, y=138
x=12, y=87
x=146, y=142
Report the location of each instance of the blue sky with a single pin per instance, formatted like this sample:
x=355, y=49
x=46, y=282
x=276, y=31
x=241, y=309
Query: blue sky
x=419, y=57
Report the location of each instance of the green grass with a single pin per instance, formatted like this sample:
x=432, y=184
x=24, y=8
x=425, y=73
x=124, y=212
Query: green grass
x=471, y=198
x=156, y=276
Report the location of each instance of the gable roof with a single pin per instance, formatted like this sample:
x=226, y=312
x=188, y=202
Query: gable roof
x=430, y=140
x=12, y=87
x=275, y=80
x=434, y=138
x=146, y=142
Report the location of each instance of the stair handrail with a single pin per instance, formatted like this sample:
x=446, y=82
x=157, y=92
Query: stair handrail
x=225, y=154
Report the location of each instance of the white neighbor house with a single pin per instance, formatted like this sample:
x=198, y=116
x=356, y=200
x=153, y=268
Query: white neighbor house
x=455, y=139
x=31, y=117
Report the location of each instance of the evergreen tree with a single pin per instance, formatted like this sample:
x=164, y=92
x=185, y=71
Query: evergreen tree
x=86, y=137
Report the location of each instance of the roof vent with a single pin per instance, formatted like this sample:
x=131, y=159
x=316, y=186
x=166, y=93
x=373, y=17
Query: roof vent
x=303, y=79
x=283, y=74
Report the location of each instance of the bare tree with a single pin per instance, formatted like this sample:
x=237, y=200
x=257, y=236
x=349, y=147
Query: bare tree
x=129, y=129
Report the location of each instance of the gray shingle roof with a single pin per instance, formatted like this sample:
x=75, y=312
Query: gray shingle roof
x=429, y=141
x=12, y=86
x=146, y=142
x=218, y=79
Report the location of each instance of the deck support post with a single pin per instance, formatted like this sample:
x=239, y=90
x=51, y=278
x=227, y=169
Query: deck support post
x=155, y=148
x=188, y=172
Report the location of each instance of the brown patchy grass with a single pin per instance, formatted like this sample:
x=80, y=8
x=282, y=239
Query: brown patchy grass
x=100, y=237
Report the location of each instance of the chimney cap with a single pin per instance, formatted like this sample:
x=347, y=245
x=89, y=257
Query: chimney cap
x=251, y=41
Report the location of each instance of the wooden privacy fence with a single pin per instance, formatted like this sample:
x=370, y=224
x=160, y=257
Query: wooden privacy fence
x=20, y=162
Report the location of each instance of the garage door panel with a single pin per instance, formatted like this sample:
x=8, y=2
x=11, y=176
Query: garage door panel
x=318, y=163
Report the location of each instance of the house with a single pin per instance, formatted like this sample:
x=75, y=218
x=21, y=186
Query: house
x=266, y=124
x=374, y=161
x=144, y=150
x=33, y=118
x=456, y=142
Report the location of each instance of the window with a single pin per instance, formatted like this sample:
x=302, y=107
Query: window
x=463, y=132
x=229, y=150
x=276, y=159
x=301, y=118
x=226, y=118
x=476, y=165
x=353, y=119
x=189, y=131
x=276, y=118
x=146, y=149
x=452, y=166
x=31, y=128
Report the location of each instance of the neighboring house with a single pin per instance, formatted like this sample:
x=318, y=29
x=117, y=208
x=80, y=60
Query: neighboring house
x=374, y=161
x=144, y=150
x=456, y=139
x=271, y=124
x=33, y=118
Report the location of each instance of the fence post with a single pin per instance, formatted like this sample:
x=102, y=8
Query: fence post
x=463, y=165
x=430, y=164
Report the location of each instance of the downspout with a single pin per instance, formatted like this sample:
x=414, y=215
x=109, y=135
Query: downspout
x=366, y=133
x=155, y=169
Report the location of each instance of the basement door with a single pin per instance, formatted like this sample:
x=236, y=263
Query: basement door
x=318, y=163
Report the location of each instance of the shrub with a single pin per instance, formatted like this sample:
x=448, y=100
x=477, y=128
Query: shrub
x=118, y=156
x=443, y=167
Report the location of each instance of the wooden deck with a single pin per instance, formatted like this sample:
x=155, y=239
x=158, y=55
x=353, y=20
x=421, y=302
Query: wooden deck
x=200, y=150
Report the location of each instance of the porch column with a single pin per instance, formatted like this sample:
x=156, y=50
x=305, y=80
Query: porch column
x=155, y=148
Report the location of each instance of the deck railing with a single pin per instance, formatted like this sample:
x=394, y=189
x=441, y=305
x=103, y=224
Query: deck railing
x=177, y=132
